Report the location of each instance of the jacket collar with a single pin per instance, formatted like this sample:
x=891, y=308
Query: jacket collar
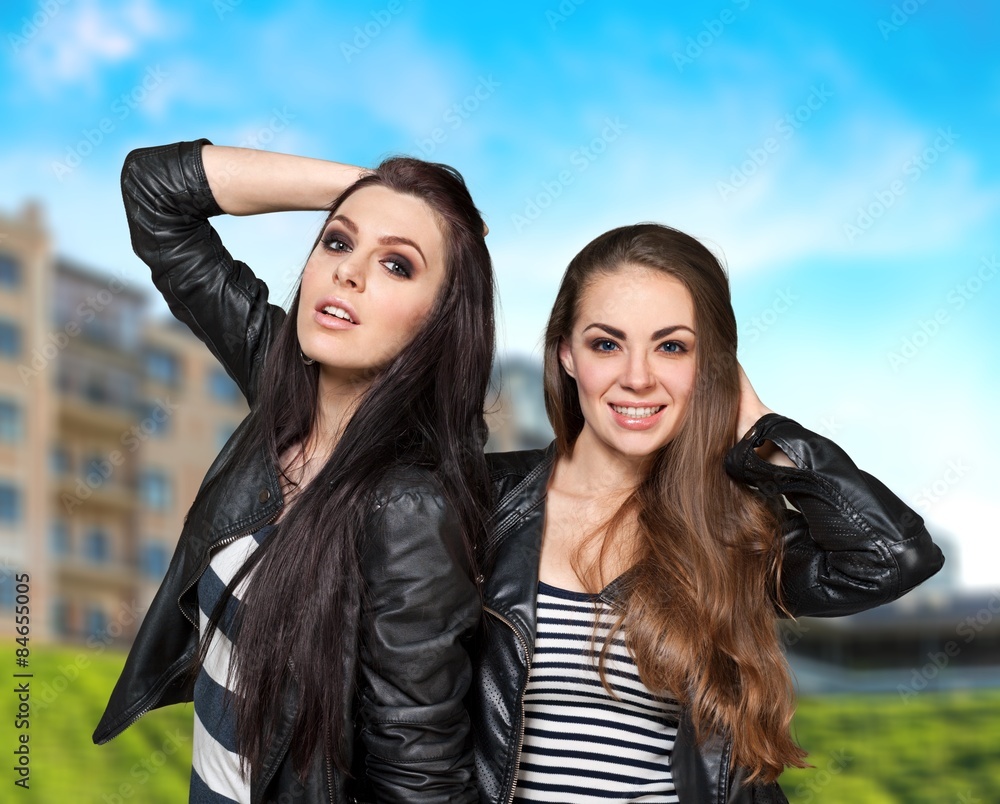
x=514, y=547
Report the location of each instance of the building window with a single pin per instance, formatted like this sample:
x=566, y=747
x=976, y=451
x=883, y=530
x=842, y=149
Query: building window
x=8, y=589
x=10, y=339
x=95, y=389
x=65, y=381
x=153, y=560
x=10, y=271
x=10, y=504
x=60, y=461
x=155, y=419
x=123, y=388
x=60, y=617
x=95, y=623
x=163, y=367
x=11, y=422
x=222, y=387
x=130, y=326
x=154, y=490
x=59, y=538
x=95, y=546
x=98, y=470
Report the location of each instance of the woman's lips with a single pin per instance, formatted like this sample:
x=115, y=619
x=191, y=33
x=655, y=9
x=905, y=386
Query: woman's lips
x=332, y=305
x=635, y=421
x=331, y=321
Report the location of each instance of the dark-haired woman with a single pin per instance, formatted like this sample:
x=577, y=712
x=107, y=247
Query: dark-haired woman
x=322, y=589
x=637, y=567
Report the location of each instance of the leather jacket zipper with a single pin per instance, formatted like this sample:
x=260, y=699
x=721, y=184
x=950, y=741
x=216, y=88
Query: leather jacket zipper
x=201, y=572
x=520, y=733
x=329, y=775
x=146, y=708
x=208, y=560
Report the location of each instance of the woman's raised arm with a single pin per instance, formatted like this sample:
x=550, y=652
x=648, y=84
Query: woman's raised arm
x=248, y=182
x=849, y=543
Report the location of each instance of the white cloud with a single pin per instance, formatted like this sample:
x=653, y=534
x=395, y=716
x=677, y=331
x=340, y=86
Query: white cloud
x=83, y=37
x=793, y=208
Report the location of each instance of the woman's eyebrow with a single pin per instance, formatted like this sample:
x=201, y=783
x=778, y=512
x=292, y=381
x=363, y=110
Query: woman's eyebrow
x=614, y=333
x=350, y=225
x=660, y=333
x=393, y=240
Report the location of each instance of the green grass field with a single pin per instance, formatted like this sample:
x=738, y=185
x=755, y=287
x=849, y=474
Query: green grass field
x=938, y=749
x=150, y=762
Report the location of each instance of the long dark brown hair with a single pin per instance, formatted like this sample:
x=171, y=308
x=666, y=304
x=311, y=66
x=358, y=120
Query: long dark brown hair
x=700, y=602
x=301, y=608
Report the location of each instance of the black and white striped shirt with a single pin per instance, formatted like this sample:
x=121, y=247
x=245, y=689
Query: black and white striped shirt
x=215, y=765
x=581, y=745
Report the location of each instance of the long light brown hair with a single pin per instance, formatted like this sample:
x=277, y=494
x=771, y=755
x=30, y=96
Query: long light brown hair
x=700, y=602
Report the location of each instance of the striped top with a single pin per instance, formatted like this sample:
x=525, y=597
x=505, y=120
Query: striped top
x=581, y=746
x=215, y=765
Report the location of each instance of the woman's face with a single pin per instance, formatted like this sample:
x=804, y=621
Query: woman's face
x=632, y=353
x=370, y=282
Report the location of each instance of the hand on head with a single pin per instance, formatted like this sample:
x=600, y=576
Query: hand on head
x=751, y=408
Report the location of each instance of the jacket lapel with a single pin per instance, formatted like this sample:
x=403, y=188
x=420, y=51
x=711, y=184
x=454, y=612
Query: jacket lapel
x=517, y=521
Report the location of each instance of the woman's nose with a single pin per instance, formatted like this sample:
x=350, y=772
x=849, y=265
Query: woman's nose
x=350, y=272
x=637, y=374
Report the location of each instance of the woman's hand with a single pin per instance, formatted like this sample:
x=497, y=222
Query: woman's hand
x=750, y=410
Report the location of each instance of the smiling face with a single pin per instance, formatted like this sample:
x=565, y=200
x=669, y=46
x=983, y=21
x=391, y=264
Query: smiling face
x=632, y=353
x=370, y=282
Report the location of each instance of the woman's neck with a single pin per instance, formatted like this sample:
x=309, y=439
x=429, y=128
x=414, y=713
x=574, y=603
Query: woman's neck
x=593, y=470
x=586, y=492
x=337, y=399
x=335, y=404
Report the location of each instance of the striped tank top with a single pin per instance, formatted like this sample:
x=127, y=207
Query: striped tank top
x=215, y=766
x=581, y=745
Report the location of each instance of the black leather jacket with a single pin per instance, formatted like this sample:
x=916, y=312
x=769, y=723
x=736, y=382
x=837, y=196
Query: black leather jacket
x=850, y=545
x=412, y=729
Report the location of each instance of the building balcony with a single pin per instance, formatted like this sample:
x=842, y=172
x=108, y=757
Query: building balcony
x=76, y=572
x=80, y=414
x=73, y=492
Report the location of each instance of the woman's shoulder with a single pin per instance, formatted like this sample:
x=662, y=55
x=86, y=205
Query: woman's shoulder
x=516, y=474
x=409, y=516
x=517, y=463
x=401, y=480
x=411, y=478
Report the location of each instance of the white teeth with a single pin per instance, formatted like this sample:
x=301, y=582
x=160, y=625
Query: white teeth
x=637, y=413
x=336, y=311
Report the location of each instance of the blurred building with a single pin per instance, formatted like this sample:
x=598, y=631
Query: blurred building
x=931, y=638
x=108, y=422
x=516, y=415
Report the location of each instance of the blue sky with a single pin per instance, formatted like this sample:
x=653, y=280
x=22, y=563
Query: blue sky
x=840, y=156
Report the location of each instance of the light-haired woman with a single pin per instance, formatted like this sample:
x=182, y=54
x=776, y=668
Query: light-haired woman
x=637, y=567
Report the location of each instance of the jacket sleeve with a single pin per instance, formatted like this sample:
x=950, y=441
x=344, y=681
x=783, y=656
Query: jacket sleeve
x=168, y=203
x=849, y=543
x=421, y=606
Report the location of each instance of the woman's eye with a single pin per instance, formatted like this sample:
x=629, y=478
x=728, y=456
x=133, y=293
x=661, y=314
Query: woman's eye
x=398, y=266
x=603, y=345
x=334, y=243
x=673, y=347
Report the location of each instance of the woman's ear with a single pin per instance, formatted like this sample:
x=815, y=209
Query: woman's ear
x=566, y=358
